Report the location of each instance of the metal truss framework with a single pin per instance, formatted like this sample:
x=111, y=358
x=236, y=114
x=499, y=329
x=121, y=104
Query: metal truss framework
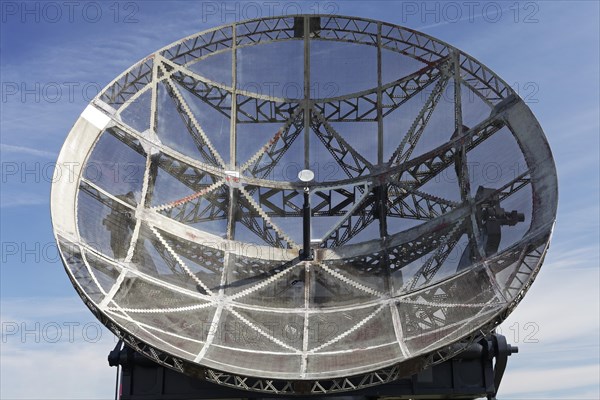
x=394, y=275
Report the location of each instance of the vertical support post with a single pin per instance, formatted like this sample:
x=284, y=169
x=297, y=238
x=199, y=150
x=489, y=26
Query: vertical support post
x=463, y=172
x=379, y=99
x=307, y=104
x=306, y=254
x=232, y=212
x=153, y=167
x=380, y=194
x=154, y=99
x=462, y=168
x=233, y=195
x=233, y=121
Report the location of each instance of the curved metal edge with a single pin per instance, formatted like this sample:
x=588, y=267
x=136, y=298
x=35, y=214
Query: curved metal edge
x=69, y=169
x=472, y=68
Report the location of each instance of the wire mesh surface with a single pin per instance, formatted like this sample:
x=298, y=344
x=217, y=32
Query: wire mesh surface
x=432, y=206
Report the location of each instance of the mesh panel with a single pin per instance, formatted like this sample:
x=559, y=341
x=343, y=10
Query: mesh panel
x=79, y=270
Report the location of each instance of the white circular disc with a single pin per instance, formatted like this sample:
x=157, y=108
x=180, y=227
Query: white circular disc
x=306, y=175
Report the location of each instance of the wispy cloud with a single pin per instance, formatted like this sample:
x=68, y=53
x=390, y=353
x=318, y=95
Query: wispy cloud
x=73, y=367
x=557, y=330
x=60, y=371
x=555, y=295
x=29, y=308
x=15, y=198
x=12, y=149
x=526, y=384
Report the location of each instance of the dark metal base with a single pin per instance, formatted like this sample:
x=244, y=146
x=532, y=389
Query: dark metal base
x=474, y=373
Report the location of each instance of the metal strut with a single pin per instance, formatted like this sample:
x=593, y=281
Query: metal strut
x=306, y=253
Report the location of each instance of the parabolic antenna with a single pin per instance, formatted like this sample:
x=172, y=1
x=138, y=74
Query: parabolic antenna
x=431, y=208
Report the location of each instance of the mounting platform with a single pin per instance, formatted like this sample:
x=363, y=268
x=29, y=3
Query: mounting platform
x=474, y=373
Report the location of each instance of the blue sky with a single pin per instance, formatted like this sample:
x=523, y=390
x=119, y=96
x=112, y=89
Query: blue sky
x=55, y=59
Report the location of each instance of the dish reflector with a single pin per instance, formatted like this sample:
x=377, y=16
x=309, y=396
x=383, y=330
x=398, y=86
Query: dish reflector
x=433, y=194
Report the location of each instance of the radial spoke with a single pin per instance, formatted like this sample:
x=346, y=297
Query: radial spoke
x=355, y=221
x=202, y=141
x=422, y=169
x=430, y=268
x=268, y=230
x=264, y=160
x=345, y=155
x=414, y=204
x=419, y=124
